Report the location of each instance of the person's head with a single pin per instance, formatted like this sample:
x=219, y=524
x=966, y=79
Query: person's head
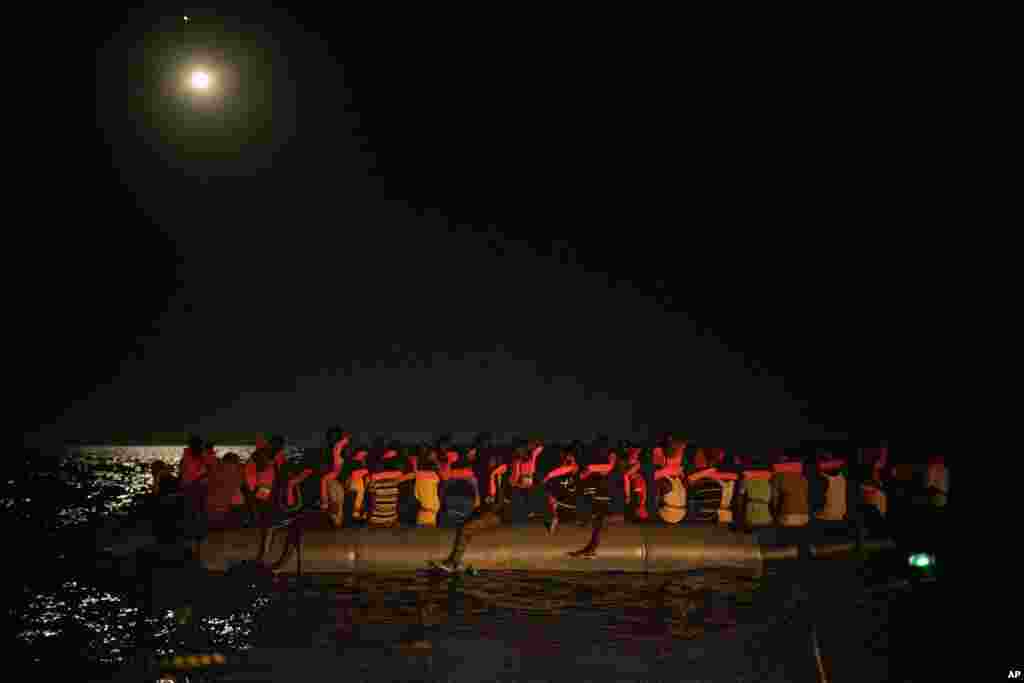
x=210, y=447
x=261, y=458
x=195, y=445
x=277, y=442
x=230, y=459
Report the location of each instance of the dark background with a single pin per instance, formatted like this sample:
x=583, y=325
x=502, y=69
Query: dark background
x=518, y=224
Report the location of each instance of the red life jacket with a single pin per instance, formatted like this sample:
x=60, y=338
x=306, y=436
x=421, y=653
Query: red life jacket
x=658, y=456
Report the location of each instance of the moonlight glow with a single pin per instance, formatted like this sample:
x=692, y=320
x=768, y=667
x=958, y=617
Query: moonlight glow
x=200, y=80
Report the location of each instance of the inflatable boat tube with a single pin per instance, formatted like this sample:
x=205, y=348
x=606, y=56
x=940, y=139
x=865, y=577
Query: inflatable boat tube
x=625, y=548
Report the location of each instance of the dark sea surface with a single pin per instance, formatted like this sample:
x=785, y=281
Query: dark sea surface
x=74, y=615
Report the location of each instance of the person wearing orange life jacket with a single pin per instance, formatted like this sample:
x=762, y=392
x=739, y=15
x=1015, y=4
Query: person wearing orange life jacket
x=671, y=499
x=597, y=477
x=385, y=476
x=560, y=485
x=832, y=470
x=460, y=488
x=754, y=501
x=331, y=490
x=193, y=464
x=225, y=499
x=427, y=491
x=671, y=457
x=790, y=493
x=356, y=477
x=408, y=504
x=194, y=469
x=525, y=494
x=489, y=515
x=634, y=484
x=727, y=476
x=259, y=487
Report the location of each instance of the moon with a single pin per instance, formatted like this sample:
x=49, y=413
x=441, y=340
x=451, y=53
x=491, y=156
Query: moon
x=200, y=80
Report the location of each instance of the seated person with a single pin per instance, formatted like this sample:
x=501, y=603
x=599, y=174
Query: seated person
x=385, y=476
x=357, y=477
x=560, y=486
x=833, y=471
x=594, y=484
x=790, y=493
x=225, y=502
x=672, y=499
x=164, y=481
x=635, y=485
x=427, y=491
x=408, y=506
x=337, y=441
x=727, y=473
x=704, y=493
x=460, y=489
x=755, y=495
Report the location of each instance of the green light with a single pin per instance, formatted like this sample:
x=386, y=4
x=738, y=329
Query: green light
x=920, y=560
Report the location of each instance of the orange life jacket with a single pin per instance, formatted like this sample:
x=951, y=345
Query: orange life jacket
x=293, y=484
x=193, y=466
x=790, y=467
x=495, y=475
x=602, y=470
x=758, y=474
x=560, y=471
x=525, y=470
x=670, y=470
x=260, y=483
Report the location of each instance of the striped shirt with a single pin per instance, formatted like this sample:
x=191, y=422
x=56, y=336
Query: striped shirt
x=384, y=492
x=704, y=499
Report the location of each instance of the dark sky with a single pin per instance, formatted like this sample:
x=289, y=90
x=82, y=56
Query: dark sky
x=567, y=231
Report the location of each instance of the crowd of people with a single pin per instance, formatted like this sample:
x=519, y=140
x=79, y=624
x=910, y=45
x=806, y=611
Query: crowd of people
x=483, y=484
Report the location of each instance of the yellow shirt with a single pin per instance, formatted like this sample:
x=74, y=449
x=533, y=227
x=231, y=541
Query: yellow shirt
x=426, y=492
x=673, y=505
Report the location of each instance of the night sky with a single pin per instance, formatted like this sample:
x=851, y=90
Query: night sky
x=561, y=232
